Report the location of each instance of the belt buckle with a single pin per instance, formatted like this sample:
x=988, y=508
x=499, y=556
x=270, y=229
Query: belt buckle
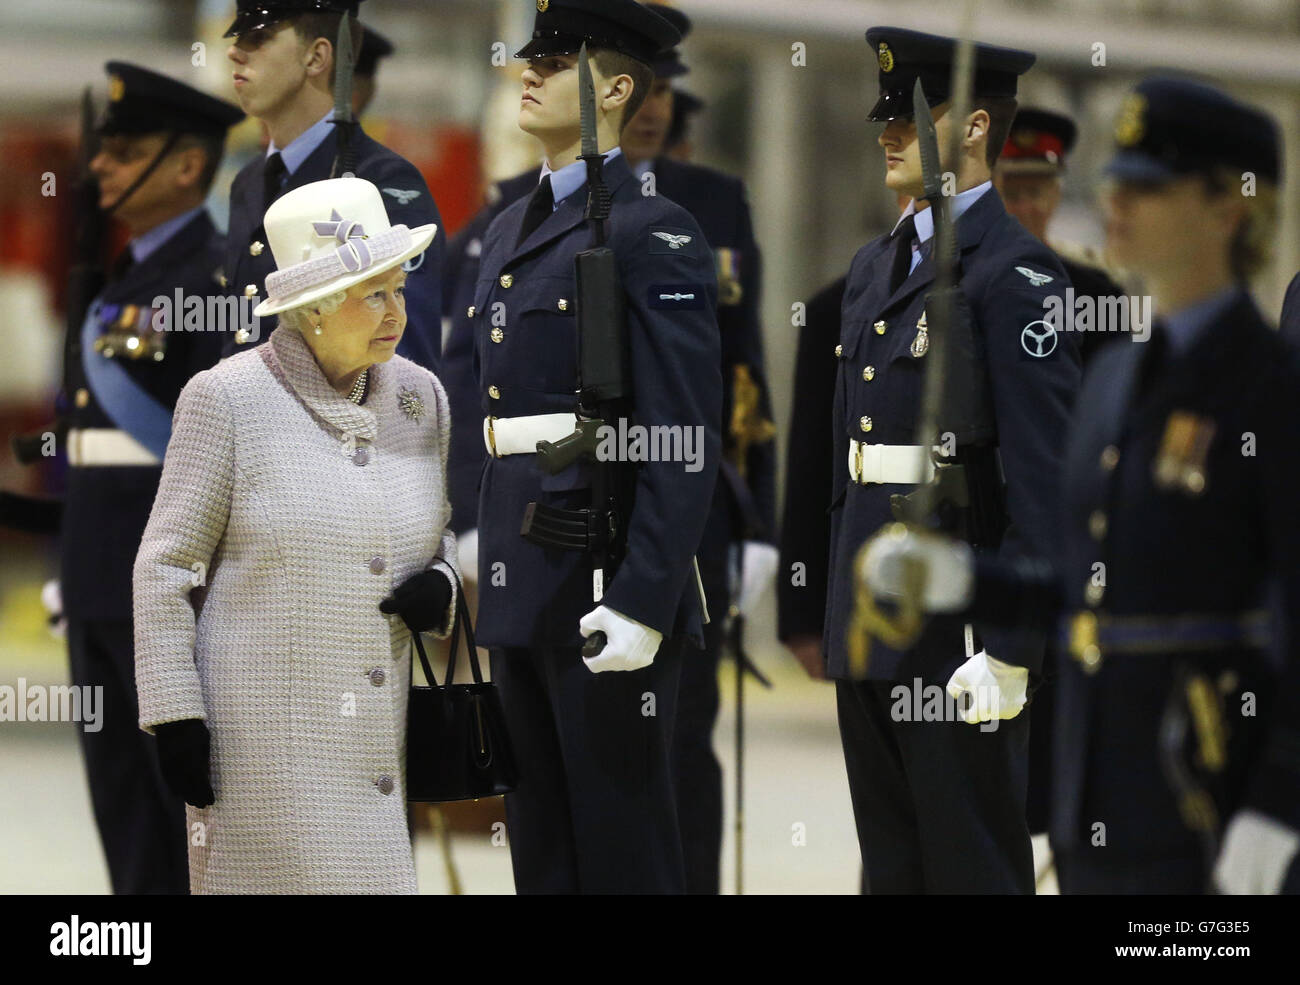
x=857, y=461
x=1084, y=645
x=492, y=436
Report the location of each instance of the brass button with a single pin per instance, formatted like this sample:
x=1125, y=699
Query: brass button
x=83, y=397
x=869, y=373
x=1093, y=594
x=1097, y=525
x=864, y=423
x=1090, y=659
x=250, y=291
x=507, y=281
x=839, y=351
x=880, y=327
x=1109, y=458
x=497, y=335
x=562, y=304
x=108, y=351
x=469, y=312
x=494, y=392
x=256, y=248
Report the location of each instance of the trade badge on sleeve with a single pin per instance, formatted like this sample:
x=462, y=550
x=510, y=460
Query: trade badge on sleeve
x=1180, y=462
x=688, y=297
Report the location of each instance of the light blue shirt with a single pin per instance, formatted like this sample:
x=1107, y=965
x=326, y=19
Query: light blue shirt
x=301, y=147
x=571, y=177
x=925, y=220
x=1184, y=327
x=147, y=243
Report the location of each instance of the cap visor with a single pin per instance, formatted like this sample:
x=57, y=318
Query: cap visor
x=421, y=237
x=545, y=47
x=1130, y=165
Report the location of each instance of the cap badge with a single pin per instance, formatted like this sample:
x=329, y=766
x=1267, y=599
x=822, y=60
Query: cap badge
x=116, y=88
x=542, y=5
x=886, y=58
x=1131, y=127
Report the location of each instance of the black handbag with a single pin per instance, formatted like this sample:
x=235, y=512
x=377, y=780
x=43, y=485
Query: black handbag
x=457, y=746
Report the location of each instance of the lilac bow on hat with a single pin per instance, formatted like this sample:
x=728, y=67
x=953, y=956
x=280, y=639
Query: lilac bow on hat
x=354, y=253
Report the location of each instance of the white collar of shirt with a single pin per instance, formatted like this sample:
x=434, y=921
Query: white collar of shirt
x=1184, y=327
x=925, y=219
x=644, y=168
x=571, y=177
x=147, y=243
x=301, y=147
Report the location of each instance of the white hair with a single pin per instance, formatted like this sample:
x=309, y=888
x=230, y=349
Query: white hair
x=299, y=319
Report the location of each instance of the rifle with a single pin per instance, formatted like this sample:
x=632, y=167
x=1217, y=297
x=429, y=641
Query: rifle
x=345, y=122
x=924, y=507
x=604, y=386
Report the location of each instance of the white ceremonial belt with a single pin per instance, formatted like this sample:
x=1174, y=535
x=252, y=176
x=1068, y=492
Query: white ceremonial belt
x=106, y=447
x=903, y=464
x=519, y=435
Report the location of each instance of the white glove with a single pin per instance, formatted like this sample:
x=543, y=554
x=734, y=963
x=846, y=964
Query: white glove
x=52, y=599
x=628, y=644
x=1257, y=852
x=949, y=567
x=467, y=554
x=758, y=563
x=997, y=689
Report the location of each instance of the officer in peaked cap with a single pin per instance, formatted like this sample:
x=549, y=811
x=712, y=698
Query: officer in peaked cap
x=161, y=142
x=1177, y=754
x=955, y=822
x=594, y=811
x=374, y=48
x=271, y=38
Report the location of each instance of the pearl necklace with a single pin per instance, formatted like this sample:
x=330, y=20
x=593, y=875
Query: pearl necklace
x=358, y=393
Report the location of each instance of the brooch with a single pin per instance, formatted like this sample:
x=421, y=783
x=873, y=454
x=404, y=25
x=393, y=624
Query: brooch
x=411, y=404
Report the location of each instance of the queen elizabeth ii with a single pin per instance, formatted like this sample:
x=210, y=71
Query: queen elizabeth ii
x=297, y=539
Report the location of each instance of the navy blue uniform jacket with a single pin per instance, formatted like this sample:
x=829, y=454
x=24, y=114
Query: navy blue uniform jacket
x=534, y=596
x=107, y=508
x=407, y=199
x=1031, y=400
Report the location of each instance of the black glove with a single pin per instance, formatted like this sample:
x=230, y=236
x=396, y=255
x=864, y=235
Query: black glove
x=422, y=601
x=184, y=752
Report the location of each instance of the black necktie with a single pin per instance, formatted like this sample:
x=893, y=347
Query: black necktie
x=903, y=237
x=272, y=173
x=540, y=206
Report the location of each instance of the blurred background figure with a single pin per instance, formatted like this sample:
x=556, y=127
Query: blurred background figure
x=374, y=48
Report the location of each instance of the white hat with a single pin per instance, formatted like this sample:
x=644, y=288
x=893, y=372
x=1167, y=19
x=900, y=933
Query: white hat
x=329, y=235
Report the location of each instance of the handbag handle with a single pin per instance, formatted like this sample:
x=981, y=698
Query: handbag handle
x=461, y=619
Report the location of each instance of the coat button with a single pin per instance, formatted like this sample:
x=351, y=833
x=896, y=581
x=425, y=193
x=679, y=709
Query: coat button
x=1109, y=458
x=869, y=373
x=250, y=291
x=83, y=397
x=880, y=327
x=507, y=281
x=562, y=304
x=385, y=785
x=361, y=456
x=839, y=351
x=497, y=335
x=494, y=392
x=469, y=312
x=377, y=566
x=256, y=248
x=1097, y=525
x=864, y=423
x=1093, y=594
x=377, y=677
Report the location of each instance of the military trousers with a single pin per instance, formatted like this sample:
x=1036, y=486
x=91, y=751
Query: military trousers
x=939, y=805
x=141, y=822
x=594, y=810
